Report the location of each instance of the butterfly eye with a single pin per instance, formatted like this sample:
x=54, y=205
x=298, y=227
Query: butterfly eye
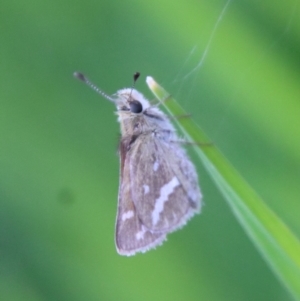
x=135, y=106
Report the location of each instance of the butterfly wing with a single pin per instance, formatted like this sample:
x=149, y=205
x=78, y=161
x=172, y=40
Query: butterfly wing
x=131, y=234
x=164, y=184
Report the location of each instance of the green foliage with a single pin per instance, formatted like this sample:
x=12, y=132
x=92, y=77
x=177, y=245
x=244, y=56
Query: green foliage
x=278, y=245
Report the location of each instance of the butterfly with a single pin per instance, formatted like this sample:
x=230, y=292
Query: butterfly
x=158, y=190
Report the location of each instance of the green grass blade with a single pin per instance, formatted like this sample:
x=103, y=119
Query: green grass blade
x=274, y=240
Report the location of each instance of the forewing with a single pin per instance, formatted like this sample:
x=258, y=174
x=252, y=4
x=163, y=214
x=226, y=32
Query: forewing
x=164, y=182
x=131, y=235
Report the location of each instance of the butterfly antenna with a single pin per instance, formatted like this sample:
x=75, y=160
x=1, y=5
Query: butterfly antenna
x=83, y=78
x=136, y=75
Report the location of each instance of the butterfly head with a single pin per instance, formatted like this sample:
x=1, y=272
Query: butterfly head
x=130, y=100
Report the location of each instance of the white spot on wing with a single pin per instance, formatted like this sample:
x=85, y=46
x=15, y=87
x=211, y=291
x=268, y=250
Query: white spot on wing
x=140, y=235
x=127, y=215
x=165, y=191
x=155, y=166
x=146, y=189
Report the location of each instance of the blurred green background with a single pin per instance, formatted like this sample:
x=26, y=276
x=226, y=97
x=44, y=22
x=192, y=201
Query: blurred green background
x=58, y=151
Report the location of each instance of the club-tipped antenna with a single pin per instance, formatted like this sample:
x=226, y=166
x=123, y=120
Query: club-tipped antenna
x=136, y=75
x=83, y=78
